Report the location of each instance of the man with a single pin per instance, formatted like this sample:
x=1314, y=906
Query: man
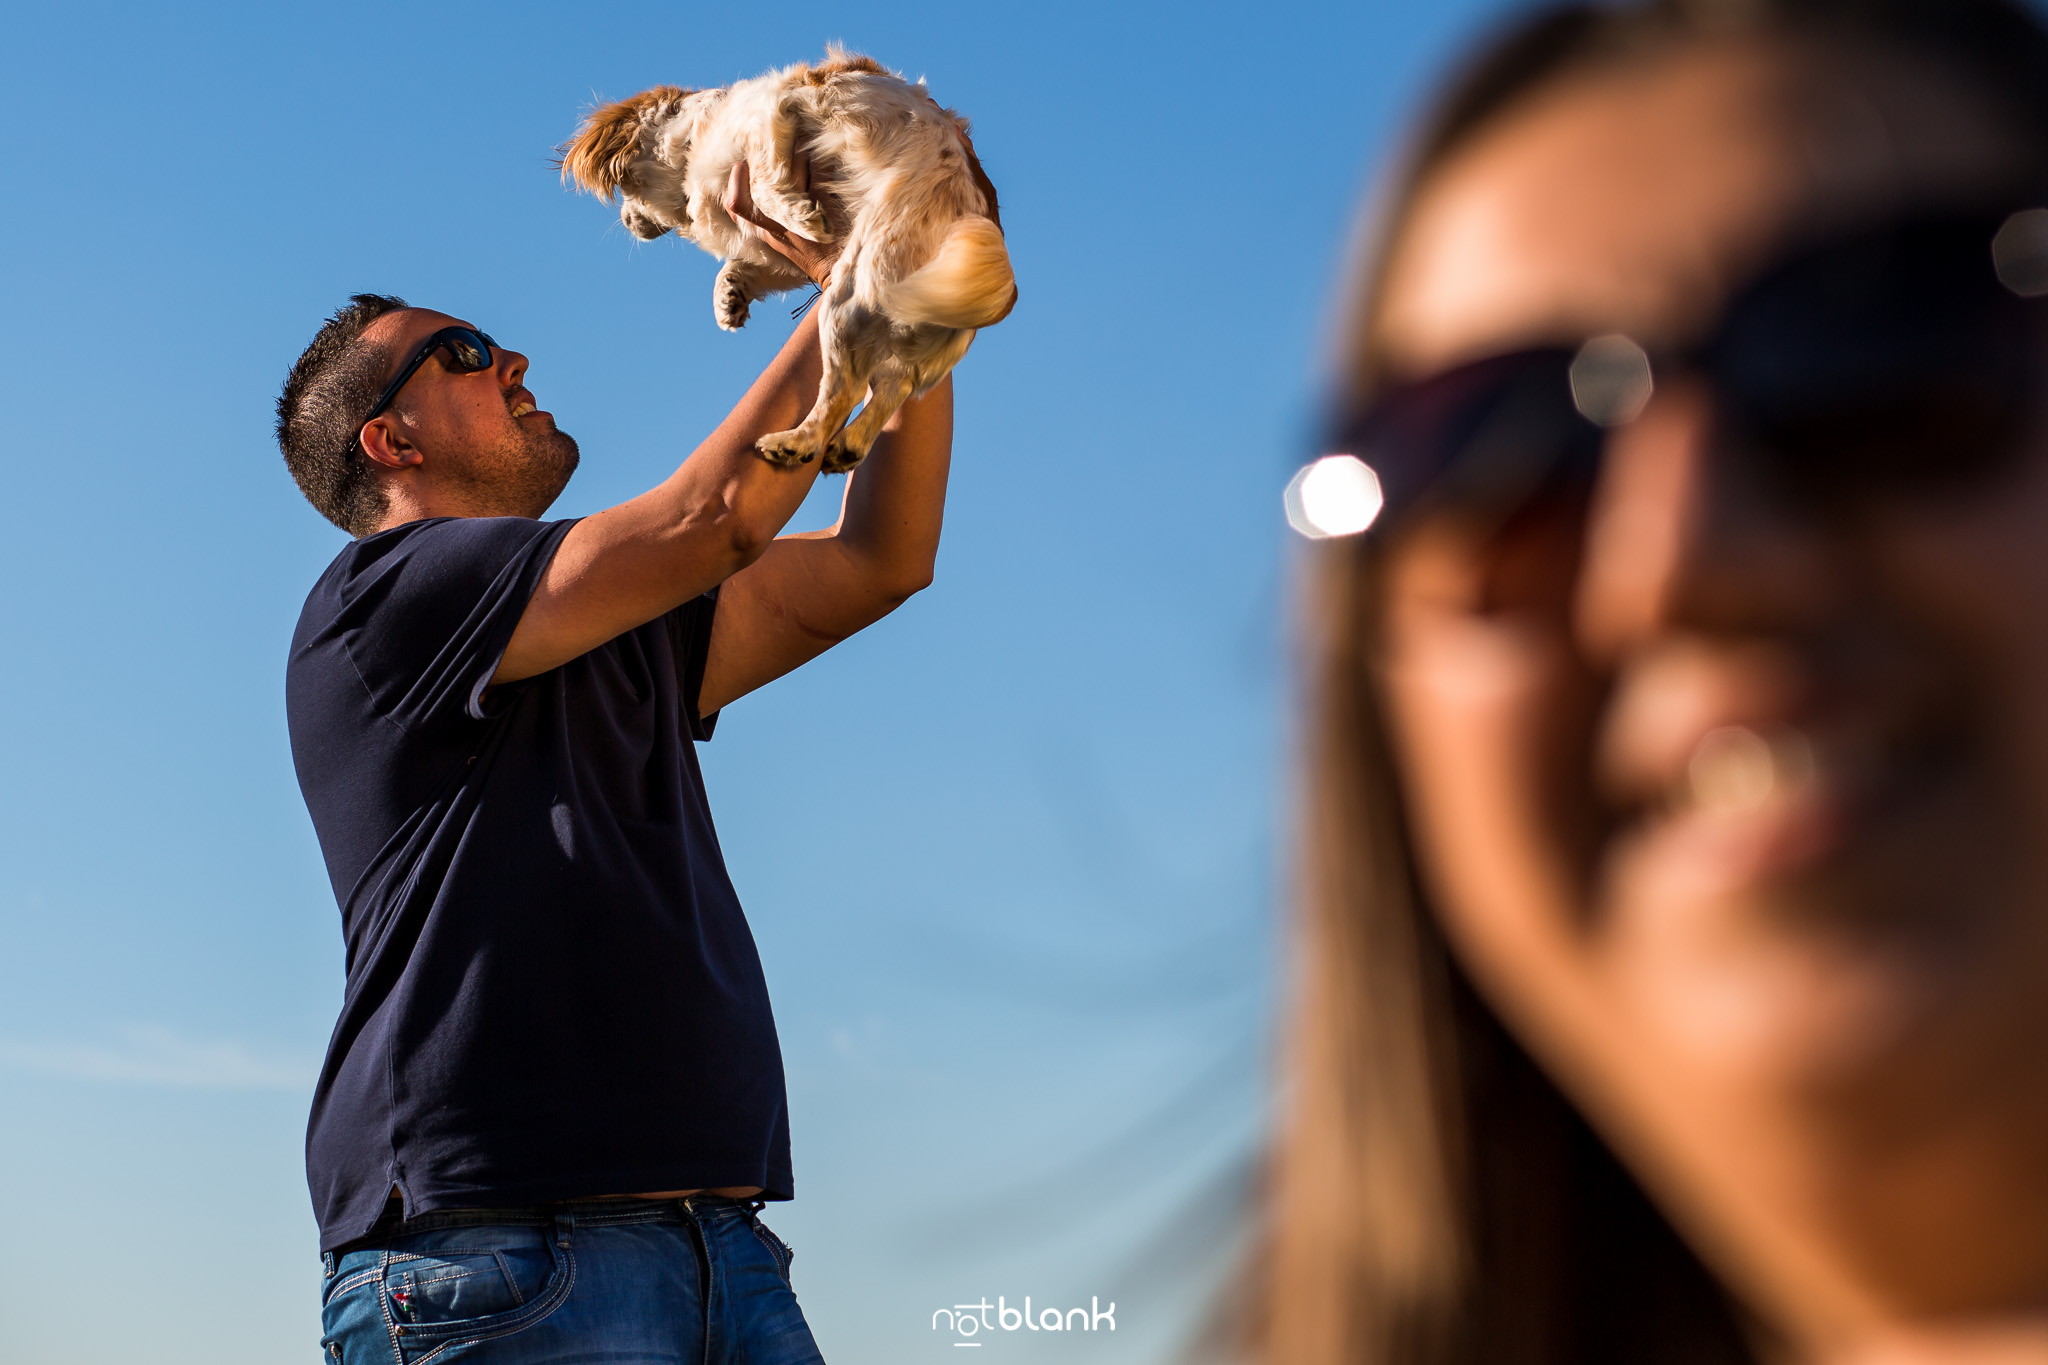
x=553, y=1104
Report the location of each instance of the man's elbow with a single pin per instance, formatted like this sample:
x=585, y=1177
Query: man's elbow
x=748, y=531
x=746, y=541
x=882, y=593
x=901, y=584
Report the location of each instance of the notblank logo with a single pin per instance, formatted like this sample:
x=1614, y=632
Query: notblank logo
x=971, y=1320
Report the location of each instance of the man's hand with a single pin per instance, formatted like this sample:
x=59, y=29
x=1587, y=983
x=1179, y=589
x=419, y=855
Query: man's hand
x=815, y=259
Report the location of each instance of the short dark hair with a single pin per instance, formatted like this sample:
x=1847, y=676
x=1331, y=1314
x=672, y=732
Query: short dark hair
x=331, y=386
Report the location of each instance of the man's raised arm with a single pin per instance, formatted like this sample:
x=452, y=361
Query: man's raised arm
x=812, y=590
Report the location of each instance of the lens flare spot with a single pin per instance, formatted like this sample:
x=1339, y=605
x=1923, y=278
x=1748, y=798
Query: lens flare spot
x=2020, y=253
x=1611, y=381
x=1735, y=769
x=1338, y=495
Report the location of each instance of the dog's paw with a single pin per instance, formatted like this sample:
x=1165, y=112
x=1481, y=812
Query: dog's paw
x=786, y=448
x=808, y=219
x=730, y=305
x=839, y=460
x=840, y=457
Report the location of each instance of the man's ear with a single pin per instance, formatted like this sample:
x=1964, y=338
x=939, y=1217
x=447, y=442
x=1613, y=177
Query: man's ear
x=383, y=441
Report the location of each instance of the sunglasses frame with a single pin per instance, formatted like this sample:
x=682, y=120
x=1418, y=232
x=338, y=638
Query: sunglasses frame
x=447, y=337
x=1488, y=434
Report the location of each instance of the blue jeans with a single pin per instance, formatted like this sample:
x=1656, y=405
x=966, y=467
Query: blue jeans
x=699, y=1281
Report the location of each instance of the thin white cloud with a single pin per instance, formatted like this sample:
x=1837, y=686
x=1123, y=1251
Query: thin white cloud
x=147, y=1054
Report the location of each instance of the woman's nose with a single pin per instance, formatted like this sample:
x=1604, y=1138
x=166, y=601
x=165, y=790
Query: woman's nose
x=1684, y=537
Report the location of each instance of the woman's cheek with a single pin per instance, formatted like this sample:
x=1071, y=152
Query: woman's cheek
x=1491, y=718
x=1970, y=582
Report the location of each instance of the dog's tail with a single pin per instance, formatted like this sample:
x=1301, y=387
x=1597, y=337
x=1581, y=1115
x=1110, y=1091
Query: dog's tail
x=968, y=284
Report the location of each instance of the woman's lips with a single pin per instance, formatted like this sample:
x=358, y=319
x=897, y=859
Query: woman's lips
x=1756, y=803
x=1751, y=804
x=1734, y=768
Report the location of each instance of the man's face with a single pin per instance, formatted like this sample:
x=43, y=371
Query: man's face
x=482, y=443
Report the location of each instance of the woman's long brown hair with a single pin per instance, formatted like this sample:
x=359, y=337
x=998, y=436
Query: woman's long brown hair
x=1433, y=1199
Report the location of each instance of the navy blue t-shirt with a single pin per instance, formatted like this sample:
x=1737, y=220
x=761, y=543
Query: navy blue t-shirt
x=552, y=992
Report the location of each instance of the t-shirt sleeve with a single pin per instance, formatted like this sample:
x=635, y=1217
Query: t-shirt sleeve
x=429, y=608
x=689, y=633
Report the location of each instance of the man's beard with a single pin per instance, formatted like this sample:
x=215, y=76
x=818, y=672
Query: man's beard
x=523, y=477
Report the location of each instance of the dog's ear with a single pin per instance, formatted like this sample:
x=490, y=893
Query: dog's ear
x=839, y=61
x=608, y=142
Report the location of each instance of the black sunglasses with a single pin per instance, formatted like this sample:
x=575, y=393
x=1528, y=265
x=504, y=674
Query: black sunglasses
x=1901, y=360
x=468, y=351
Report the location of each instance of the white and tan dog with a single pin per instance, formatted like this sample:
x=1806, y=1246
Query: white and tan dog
x=922, y=263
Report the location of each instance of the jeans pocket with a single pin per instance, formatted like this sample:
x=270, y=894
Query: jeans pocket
x=352, y=1323
x=351, y=1275
x=461, y=1285
x=455, y=1285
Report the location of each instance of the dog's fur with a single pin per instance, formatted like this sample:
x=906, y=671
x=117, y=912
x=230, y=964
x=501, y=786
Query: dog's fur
x=923, y=262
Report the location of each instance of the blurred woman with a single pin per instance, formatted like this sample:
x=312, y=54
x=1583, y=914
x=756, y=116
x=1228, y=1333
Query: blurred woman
x=1673, y=974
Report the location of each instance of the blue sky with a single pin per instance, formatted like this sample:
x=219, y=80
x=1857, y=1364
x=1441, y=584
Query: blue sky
x=1012, y=856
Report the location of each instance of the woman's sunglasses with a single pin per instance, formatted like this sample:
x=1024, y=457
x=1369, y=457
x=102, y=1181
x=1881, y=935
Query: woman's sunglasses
x=468, y=351
x=1903, y=360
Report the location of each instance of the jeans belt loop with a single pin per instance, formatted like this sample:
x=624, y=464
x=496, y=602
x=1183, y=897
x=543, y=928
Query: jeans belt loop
x=327, y=1263
x=565, y=1228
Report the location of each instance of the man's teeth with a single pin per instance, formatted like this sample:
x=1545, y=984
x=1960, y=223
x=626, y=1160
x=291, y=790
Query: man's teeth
x=521, y=409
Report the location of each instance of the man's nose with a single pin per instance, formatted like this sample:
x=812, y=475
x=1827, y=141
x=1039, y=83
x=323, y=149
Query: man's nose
x=511, y=365
x=1683, y=537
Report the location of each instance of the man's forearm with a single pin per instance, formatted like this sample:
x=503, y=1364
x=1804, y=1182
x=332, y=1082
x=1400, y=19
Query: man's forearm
x=766, y=493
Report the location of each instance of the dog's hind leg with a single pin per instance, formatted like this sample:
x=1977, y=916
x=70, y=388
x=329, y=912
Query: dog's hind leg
x=887, y=391
x=839, y=389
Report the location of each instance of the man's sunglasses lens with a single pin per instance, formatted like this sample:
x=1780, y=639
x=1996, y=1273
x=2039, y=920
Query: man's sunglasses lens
x=469, y=350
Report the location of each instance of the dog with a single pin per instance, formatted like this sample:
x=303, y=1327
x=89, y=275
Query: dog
x=892, y=175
